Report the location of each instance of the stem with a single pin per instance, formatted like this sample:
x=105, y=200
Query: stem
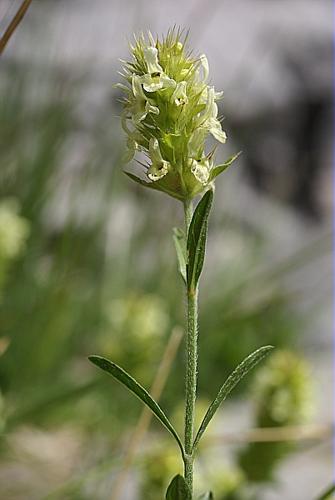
x=14, y=24
x=191, y=367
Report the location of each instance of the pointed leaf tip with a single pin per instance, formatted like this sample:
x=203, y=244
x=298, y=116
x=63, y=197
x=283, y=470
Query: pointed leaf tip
x=196, y=239
x=221, y=168
x=180, y=246
x=133, y=386
x=139, y=180
x=328, y=494
x=233, y=379
x=178, y=489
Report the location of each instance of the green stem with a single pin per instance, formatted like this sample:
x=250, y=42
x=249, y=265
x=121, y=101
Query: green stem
x=191, y=367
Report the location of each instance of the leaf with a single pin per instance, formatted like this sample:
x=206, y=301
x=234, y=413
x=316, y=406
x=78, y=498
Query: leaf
x=221, y=168
x=206, y=496
x=178, y=489
x=180, y=245
x=327, y=495
x=140, y=181
x=196, y=240
x=233, y=379
x=156, y=185
x=124, y=378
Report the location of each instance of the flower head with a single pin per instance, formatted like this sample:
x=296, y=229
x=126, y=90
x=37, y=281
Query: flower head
x=169, y=111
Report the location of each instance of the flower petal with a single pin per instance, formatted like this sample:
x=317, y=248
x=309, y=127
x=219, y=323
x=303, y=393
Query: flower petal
x=129, y=154
x=179, y=96
x=151, y=58
x=151, y=109
x=159, y=167
x=200, y=170
x=214, y=127
x=136, y=86
x=204, y=67
x=158, y=171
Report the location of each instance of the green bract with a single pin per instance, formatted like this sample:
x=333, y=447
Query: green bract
x=169, y=111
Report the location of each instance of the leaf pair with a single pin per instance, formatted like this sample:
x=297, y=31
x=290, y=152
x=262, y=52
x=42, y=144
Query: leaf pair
x=124, y=378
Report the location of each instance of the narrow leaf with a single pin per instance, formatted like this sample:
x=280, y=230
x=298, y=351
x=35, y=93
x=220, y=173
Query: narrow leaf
x=328, y=494
x=178, y=489
x=196, y=239
x=233, y=379
x=156, y=185
x=221, y=168
x=140, y=181
x=180, y=245
x=124, y=378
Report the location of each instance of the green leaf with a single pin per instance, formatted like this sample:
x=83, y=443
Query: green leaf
x=221, y=168
x=178, y=489
x=124, y=378
x=180, y=245
x=206, y=496
x=157, y=185
x=328, y=494
x=233, y=379
x=196, y=240
x=140, y=181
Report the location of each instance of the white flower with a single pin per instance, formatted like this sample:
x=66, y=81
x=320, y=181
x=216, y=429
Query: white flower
x=151, y=58
x=208, y=119
x=132, y=147
x=179, y=96
x=159, y=167
x=155, y=79
x=141, y=105
x=201, y=170
x=134, y=137
x=204, y=67
x=152, y=83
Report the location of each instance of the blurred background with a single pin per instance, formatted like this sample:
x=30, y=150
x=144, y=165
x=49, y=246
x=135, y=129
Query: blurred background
x=87, y=263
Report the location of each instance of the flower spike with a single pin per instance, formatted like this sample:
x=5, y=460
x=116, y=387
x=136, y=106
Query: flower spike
x=169, y=112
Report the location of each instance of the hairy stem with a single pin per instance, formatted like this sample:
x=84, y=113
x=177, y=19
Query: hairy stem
x=191, y=366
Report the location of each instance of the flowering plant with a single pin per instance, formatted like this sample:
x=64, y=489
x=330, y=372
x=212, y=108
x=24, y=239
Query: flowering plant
x=169, y=111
